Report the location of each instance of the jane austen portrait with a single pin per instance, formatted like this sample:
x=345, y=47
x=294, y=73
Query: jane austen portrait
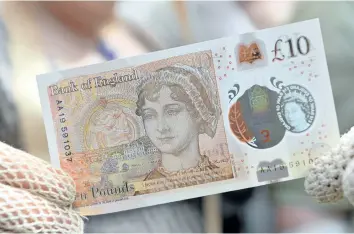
x=177, y=104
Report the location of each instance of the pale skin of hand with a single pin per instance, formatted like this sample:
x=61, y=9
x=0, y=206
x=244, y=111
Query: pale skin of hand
x=34, y=196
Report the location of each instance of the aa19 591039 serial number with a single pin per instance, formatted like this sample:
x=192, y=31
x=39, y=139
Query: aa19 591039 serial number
x=64, y=132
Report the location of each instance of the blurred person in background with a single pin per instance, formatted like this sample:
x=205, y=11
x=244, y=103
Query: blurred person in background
x=282, y=207
x=297, y=211
x=207, y=20
x=40, y=37
x=50, y=36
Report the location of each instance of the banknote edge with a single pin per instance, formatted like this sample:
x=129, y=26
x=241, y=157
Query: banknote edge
x=43, y=83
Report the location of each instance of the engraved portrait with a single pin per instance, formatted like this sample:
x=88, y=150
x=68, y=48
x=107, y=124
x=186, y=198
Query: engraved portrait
x=296, y=108
x=163, y=130
x=296, y=113
x=177, y=104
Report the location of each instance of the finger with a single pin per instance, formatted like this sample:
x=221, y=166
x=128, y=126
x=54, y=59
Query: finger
x=324, y=179
x=323, y=182
x=22, y=170
x=21, y=211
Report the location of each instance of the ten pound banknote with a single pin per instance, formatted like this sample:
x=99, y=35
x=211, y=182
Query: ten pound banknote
x=192, y=121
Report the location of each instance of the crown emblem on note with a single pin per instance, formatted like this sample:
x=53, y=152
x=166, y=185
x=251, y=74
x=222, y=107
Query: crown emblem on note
x=249, y=54
x=295, y=95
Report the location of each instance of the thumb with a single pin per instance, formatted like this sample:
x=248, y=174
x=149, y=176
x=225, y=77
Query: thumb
x=23, y=212
x=19, y=169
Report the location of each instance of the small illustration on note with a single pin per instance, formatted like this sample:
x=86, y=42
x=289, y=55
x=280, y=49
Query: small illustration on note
x=250, y=52
x=253, y=118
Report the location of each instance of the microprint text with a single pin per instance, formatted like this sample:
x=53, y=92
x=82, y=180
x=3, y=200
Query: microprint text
x=97, y=82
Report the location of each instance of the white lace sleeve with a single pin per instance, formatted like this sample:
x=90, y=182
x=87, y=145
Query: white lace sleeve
x=332, y=173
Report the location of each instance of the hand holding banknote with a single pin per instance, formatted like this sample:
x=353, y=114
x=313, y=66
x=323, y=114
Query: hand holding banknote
x=332, y=176
x=198, y=120
x=34, y=197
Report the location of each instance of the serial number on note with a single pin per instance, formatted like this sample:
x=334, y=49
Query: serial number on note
x=64, y=131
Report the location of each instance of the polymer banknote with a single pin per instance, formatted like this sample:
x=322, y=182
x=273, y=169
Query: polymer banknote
x=192, y=121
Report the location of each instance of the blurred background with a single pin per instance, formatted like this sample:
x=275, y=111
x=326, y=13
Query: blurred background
x=40, y=37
